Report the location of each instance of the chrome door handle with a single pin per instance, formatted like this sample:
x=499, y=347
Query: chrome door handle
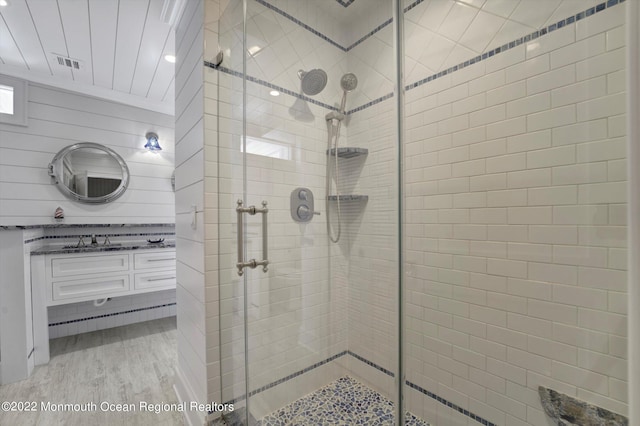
x=252, y=210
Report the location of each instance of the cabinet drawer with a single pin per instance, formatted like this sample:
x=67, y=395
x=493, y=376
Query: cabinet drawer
x=68, y=266
x=166, y=279
x=164, y=259
x=97, y=287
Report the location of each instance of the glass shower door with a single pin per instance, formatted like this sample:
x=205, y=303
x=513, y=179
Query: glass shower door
x=282, y=318
x=322, y=309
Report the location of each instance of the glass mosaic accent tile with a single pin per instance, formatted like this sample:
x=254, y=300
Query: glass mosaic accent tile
x=342, y=402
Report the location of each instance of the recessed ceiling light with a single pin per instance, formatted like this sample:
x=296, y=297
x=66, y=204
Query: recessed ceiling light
x=168, y=58
x=274, y=93
x=4, y=3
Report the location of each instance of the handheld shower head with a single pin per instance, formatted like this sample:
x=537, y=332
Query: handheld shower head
x=312, y=82
x=349, y=82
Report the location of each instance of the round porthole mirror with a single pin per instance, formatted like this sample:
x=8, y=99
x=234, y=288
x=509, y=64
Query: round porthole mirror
x=89, y=173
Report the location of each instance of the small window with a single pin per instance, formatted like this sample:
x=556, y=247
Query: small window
x=13, y=101
x=267, y=148
x=6, y=99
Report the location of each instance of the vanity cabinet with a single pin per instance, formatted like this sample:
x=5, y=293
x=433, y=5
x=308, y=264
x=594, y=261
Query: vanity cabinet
x=78, y=277
x=63, y=278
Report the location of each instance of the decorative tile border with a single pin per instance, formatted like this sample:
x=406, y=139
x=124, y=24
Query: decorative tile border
x=412, y=5
x=581, y=15
x=377, y=367
x=369, y=34
x=292, y=93
x=112, y=315
x=323, y=36
x=344, y=401
x=450, y=404
x=371, y=364
x=345, y=3
x=371, y=103
x=302, y=24
x=425, y=392
x=525, y=39
x=536, y=34
x=269, y=85
x=289, y=377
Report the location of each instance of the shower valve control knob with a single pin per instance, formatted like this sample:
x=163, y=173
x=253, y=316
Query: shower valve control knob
x=304, y=213
x=302, y=210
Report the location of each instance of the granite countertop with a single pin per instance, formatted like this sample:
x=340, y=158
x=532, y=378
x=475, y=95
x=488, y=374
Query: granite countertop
x=566, y=410
x=87, y=225
x=70, y=248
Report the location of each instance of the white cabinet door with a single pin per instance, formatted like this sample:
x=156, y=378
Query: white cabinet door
x=90, y=287
x=82, y=265
x=155, y=280
x=166, y=259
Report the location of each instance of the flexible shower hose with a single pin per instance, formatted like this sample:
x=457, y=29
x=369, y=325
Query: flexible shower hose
x=331, y=136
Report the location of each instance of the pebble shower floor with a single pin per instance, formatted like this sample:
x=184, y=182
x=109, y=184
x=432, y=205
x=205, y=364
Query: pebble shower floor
x=343, y=402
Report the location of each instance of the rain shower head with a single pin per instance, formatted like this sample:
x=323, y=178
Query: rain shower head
x=313, y=82
x=349, y=82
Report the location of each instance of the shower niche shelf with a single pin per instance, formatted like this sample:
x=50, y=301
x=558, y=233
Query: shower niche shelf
x=349, y=198
x=348, y=152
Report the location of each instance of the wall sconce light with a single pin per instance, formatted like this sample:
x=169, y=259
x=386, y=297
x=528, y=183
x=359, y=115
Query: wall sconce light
x=152, y=142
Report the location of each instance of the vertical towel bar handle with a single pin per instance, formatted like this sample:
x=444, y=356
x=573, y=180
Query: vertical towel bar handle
x=252, y=210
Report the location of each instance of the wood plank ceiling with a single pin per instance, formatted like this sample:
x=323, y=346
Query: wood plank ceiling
x=119, y=46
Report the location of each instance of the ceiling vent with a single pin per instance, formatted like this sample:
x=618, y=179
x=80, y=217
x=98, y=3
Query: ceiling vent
x=64, y=61
x=171, y=11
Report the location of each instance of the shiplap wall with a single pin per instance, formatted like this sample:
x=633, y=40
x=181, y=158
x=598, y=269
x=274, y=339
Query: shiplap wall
x=192, y=372
x=58, y=118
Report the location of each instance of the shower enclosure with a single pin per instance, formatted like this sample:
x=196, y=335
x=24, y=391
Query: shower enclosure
x=282, y=96
x=458, y=249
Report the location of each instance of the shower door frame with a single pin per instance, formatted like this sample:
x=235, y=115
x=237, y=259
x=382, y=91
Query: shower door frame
x=398, y=39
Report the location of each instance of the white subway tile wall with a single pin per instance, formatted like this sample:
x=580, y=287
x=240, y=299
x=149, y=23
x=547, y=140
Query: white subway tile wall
x=514, y=195
x=511, y=218
x=370, y=244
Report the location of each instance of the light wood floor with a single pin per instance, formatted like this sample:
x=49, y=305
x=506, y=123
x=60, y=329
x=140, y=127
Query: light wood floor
x=120, y=365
